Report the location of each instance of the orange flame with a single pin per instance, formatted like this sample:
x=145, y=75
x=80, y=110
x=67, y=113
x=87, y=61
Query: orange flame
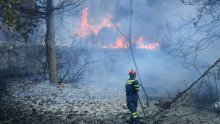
x=86, y=29
x=119, y=44
x=150, y=46
x=140, y=40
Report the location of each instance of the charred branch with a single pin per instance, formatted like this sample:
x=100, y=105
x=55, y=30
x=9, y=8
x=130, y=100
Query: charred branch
x=81, y=69
x=199, y=81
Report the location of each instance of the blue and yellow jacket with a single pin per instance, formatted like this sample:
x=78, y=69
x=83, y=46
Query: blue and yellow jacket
x=132, y=87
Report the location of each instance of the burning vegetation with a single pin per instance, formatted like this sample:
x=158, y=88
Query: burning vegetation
x=55, y=72
x=86, y=29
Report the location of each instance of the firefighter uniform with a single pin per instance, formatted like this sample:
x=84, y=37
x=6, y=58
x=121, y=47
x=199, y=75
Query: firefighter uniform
x=132, y=88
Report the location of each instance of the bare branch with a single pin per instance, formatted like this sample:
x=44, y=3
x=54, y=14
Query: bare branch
x=80, y=69
x=200, y=79
x=116, y=25
x=68, y=4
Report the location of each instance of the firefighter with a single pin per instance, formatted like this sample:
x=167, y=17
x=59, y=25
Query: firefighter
x=132, y=88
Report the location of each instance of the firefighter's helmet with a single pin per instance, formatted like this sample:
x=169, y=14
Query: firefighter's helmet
x=132, y=72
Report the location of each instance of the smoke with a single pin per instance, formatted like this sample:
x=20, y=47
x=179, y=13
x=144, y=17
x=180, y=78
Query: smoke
x=87, y=29
x=159, y=72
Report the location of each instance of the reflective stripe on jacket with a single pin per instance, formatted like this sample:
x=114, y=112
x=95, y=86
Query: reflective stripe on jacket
x=132, y=87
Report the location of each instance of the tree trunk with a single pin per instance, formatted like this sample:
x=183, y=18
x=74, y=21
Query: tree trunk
x=50, y=43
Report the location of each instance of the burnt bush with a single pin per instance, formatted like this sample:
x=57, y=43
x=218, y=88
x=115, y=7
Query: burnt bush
x=21, y=60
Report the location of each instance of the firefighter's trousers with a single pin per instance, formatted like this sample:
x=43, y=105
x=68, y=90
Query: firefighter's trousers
x=132, y=104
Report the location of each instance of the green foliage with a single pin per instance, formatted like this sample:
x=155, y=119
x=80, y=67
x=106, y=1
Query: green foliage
x=10, y=16
x=19, y=16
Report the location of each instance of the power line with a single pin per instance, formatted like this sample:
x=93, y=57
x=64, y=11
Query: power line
x=132, y=53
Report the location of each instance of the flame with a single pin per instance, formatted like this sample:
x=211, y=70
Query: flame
x=140, y=40
x=106, y=23
x=119, y=44
x=149, y=46
x=86, y=28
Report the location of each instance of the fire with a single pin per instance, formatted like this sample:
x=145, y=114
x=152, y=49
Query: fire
x=140, y=40
x=105, y=24
x=86, y=28
x=149, y=46
x=119, y=44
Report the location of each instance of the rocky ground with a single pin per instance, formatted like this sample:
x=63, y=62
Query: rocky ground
x=27, y=102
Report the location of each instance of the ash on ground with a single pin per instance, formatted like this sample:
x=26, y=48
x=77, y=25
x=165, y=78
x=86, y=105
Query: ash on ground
x=28, y=102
